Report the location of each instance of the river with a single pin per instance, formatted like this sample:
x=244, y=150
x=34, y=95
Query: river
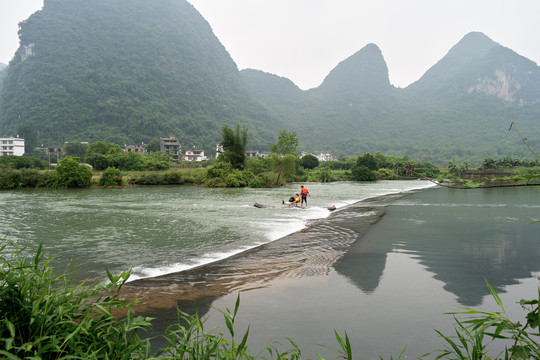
x=384, y=267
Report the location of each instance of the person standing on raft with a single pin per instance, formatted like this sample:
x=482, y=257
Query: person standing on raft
x=304, y=193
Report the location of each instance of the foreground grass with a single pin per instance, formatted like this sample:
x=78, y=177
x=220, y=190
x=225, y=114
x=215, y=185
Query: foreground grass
x=45, y=316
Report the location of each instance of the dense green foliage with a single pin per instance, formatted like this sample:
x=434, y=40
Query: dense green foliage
x=141, y=71
x=309, y=162
x=168, y=177
x=76, y=149
x=121, y=168
x=27, y=178
x=102, y=155
x=456, y=110
x=153, y=145
x=111, y=177
x=234, y=146
x=286, y=144
x=22, y=162
x=507, y=163
x=125, y=71
x=45, y=316
x=71, y=173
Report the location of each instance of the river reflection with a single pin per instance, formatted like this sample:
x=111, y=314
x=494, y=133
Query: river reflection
x=462, y=237
x=384, y=270
x=427, y=255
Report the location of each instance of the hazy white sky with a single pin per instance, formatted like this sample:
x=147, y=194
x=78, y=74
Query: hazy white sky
x=304, y=39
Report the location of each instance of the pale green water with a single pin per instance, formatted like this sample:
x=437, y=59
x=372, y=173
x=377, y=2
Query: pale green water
x=429, y=254
x=159, y=230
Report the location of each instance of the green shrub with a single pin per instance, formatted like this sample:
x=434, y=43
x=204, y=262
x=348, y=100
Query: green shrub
x=326, y=175
x=218, y=171
x=72, y=174
x=236, y=179
x=22, y=162
x=172, y=177
x=43, y=316
x=111, y=177
x=363, y=173
x=386, y=174
x=256, y=183
x=145, y=178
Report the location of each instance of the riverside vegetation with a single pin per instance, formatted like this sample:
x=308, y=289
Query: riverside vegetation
x=47, y=316
x=111, y=166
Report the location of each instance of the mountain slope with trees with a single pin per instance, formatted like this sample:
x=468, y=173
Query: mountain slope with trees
x=461, y=108
x=130, y=71
x=126, y=71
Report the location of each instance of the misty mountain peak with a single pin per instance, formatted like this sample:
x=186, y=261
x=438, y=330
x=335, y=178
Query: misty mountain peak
x=472, y=45
x=364, y=72
x=479, y=65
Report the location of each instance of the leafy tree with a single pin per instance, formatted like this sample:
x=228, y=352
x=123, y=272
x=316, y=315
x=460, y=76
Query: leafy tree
x=102, y=155
x=76, y=149
x=152, y=146
x=234, y=146
x=287, y=143
x=284, y=167
x=326, y=175
x=133, y=161
x=362, y=173
x=368, y=161
x=159, y=160
x=27, y=130
x=22, y=162
x=364, y=169
x=71, y=173
x=309, y=162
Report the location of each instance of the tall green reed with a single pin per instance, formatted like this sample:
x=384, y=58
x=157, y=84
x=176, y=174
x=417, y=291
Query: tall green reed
x=47, y=316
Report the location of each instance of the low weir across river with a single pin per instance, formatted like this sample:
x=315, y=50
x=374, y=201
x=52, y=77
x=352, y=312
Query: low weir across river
x=384, y=267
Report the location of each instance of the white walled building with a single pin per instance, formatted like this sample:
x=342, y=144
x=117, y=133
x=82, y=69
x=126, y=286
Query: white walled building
x=320, y=157
x=219, y=150
x=12, y=146
x=194, y=155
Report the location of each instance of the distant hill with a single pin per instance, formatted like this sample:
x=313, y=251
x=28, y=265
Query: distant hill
x=126, y=71
x=461, y=108
x=3, y=74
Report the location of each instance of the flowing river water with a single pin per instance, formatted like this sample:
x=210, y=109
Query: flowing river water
x=384, y=267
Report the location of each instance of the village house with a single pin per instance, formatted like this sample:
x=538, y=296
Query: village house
x=252, y=153
x=320, y=157
x=12, y=146
x=172, y=146
x=194, y=155
x=249, y=153
x=219, y=150
x=135, y=148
